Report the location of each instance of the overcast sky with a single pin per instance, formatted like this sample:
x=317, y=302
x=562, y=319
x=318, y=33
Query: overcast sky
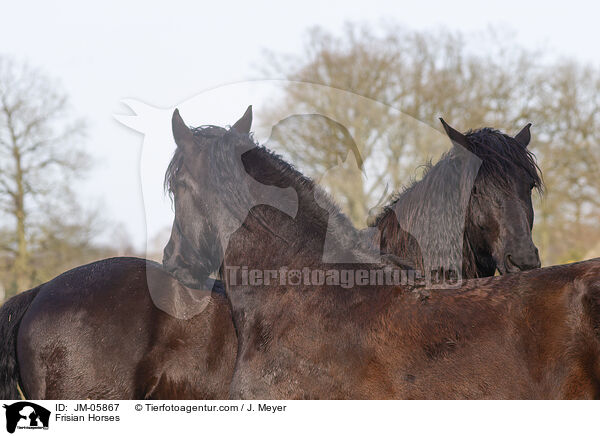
x=163, y=53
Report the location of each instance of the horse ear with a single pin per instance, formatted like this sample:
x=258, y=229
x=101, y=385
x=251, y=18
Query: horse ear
x=244, y=124
x=524, y=136
x=455, y=136
x=184, y=138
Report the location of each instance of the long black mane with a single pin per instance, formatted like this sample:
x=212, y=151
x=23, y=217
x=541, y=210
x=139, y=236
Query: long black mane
x=499, y=154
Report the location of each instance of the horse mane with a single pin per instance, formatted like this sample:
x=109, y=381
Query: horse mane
x=499, y=154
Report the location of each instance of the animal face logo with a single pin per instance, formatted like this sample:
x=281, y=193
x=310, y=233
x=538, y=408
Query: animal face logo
x=26, y=415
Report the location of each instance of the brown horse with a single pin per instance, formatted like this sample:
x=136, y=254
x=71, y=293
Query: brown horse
x=527, y=335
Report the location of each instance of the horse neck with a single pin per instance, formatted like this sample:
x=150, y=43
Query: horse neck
x=299, y=240
x=426, y=223
x=394, y=240
x=292, y=244
x=310, y=305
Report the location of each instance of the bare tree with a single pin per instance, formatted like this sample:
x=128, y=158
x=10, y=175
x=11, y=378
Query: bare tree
x=426, y=75
x=420, y=74
x=39, y=155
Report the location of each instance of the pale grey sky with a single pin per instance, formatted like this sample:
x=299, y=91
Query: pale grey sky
x=163, y=53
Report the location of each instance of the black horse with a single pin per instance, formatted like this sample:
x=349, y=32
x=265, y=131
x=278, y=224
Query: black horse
x=527, y=335
x=472, y=211
x=117, y=294
x=107, y=330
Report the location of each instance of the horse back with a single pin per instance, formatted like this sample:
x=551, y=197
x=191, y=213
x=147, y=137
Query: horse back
x=93, y=330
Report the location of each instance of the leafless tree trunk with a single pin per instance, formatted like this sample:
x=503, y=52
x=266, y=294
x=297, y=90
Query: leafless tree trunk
x=38, y=156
